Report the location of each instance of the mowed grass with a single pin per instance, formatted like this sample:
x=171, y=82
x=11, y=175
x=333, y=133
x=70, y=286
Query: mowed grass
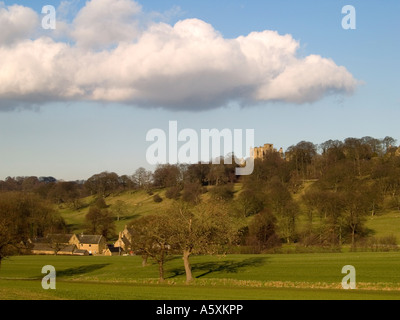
x=232, y=277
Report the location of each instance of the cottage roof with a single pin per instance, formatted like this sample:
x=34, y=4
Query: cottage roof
x=89, y=239
x=46, y=247
x=70, y=248
x=124, y=240
x=113, y=249
x=80, y=252
x=42, y=246
x=39, y=240
x=62, y=238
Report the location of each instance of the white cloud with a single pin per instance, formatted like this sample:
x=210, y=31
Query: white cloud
x=308, y=80
x=189, y=65
x=17, y=22
x=102, y=23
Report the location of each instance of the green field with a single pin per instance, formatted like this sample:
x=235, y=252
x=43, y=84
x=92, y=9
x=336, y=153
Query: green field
x=233, y=277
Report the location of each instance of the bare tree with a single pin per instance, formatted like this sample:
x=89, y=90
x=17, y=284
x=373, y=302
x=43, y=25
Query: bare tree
x=142, y=178
x=203, y=229
x=57, y=242
x=151, y=237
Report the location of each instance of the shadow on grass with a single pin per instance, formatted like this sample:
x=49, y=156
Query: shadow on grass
x=228, y=266
x=80, y=270
x=130, y=217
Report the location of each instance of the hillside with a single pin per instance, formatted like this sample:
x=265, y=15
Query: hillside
x=140, y=203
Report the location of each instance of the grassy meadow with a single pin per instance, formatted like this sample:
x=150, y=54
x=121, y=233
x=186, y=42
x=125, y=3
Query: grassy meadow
x=315, y=276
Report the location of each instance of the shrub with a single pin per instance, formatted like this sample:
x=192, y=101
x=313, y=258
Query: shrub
x=157, y=198
x=173, y=192
x=222, y=192
x=375, y=244
x=386, y=243
x=192, y=192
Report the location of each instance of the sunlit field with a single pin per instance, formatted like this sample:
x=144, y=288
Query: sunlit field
x=233, y=277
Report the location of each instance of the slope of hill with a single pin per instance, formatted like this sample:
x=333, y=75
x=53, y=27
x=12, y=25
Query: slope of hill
x=140, y=203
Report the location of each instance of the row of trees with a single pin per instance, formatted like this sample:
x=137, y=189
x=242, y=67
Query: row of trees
x=310, y=160
x=306, y=159
x=25, y=216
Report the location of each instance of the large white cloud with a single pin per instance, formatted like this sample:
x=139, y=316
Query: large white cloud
x=110, y=58
x=104, y=22
x=16, y=23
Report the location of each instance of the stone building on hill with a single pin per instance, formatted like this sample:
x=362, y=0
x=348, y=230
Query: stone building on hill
x=262, y=152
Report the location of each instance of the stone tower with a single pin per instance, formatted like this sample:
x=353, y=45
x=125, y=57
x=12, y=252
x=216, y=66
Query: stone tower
x=261, y=152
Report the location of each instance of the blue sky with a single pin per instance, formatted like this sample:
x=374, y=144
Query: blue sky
x=76, y=139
